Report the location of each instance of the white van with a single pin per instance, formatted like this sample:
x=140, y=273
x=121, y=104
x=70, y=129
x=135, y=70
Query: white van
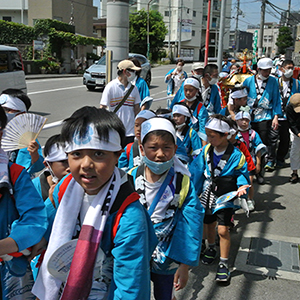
x=11, y=69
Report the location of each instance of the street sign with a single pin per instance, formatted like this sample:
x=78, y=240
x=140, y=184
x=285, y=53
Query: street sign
x=38, y=45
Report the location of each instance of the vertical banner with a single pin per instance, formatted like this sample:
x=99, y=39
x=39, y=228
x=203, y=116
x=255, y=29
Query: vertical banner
x=255, y=35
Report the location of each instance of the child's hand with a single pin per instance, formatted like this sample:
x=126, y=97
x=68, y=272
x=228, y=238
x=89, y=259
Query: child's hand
x=181, y=277
x=243, y=190
x=38, y=248
x=51, y=190
x=33, y=151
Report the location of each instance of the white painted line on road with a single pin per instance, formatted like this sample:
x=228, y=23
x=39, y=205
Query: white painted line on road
x=56, y=90
x=28, y=81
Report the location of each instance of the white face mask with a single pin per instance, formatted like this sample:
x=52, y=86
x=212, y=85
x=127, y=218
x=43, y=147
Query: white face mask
x=288, y=73
x=262, y=77
x=197, y=76
x=132, y=76
x=191, y=99
x=213, y=81
x=179, y=68
x=180, y=126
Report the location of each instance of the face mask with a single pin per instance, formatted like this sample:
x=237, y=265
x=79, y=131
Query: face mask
x=158, y=168
x=191, y=99
x=54, y=178
x=10, y=116
x=213, y=81
x=180, y=126
x=197, y=76
x=179, y=68
x=288, y=73
x=131, y=77
x=263, y=77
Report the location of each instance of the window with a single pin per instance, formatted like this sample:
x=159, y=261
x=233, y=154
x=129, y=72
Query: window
x=193, y=32
x=167, y=13
x=8, y=19
x=3, y=62
x=15, y=60
x=194, y=13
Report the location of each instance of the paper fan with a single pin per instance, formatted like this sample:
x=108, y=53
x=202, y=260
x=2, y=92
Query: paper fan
x=21, y=130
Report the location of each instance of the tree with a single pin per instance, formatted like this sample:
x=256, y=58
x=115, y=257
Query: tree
x=284, y=39
x=138, y=32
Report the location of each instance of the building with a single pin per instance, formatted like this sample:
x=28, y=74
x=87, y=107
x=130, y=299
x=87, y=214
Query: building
x=271, y=31
x=14, y=11
x=240, y=40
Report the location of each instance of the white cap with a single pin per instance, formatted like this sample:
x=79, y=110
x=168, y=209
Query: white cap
x=265, y=63
x=198, y=65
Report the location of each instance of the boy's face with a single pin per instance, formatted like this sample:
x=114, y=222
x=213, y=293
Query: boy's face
x=238, y=102
x=190, y=91
x=243, y=123
x=92, y=168
x=159, y=149
x=215, y=138
x=137, y=128
x=179, y=119
x=60, y=168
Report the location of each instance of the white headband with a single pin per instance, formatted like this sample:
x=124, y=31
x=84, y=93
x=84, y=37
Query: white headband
x=12, y=103
x=217, y=125
x=157, y=124
x=56, y=153
x=145, y=114
x=242, y=115
x=239, y=94
x=91, y=141
x=192, y=81
x=182, y=110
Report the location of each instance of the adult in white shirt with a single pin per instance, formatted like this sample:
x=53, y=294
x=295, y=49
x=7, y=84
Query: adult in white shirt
x=115, y=91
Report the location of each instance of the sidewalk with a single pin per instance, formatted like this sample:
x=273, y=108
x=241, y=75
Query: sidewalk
x=47, y=76
x=268, y=269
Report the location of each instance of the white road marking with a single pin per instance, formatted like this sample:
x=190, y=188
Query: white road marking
x=56, y=90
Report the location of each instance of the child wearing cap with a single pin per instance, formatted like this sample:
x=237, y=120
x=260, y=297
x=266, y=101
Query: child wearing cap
x=166, y=191
x=255, y=146
x=175, y=77
x=192, y=99
x=15, y=102
x=56, y=163
x=131, y=157
x=220, y=168
x=115, y=235
x=188, y=142
x=293, y=117
x=23, y=221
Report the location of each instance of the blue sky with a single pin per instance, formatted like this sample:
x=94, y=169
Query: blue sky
x=251, y=11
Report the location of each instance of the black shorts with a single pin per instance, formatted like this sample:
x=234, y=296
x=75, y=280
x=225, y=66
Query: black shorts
x=223, y=217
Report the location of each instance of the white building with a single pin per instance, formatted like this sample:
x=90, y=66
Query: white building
x=14, y=11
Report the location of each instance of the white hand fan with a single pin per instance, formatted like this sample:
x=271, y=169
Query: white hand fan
x=21, y=130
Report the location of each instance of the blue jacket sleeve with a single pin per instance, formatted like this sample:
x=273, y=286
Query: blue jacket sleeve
x=24, y=159
x=196, y=143
x=202, y=119
x=133, y=246
x=196, y=169
x=185, y=246
x=32, y=223
x=178, y=96
x=216, y=99
x=276, y=99
x=143, y=88
x=123, y=162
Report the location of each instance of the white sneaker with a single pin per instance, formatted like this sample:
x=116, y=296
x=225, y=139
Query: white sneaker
x=250, y=204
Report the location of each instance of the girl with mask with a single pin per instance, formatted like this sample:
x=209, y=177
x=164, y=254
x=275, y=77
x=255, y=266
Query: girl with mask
x=165, y=190
x=188, y=142
x=175, y=77
x=192, y=99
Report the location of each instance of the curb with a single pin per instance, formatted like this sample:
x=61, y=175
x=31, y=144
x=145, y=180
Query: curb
x=47, y=76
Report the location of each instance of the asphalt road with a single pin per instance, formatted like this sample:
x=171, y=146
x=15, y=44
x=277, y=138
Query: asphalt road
x=276, y=217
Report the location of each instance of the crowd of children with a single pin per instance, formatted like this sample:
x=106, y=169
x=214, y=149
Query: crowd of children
x=104, y=218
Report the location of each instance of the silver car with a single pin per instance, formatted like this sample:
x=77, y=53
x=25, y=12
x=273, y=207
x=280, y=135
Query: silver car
x=94, y=76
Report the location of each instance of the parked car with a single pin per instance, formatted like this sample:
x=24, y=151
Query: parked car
x=12, y=73
x=94, y=76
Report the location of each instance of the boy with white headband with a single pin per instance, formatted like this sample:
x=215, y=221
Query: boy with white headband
x=188, y=142
x=193, y=101
x=98, y=205
x=165, y=190
x=23, y=222
x=255, y=146
x=220, y=168
x=56, y=163
x=131, y=157
x=15, y=102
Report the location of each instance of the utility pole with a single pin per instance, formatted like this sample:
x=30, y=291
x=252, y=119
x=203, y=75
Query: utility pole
x=221, y=34
x=72, y=22
x=180, y=29
x=261, y=30
x=169, y=40
x=288, y=14
x=236, y=35
x=207, y=33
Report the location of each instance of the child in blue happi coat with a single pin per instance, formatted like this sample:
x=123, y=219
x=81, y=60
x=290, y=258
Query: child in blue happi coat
x=16, y=102
x=165, y=189
x=188, y=141
x=131, y=157
x=97, y=208
x=23, y=221
x=220, y=168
